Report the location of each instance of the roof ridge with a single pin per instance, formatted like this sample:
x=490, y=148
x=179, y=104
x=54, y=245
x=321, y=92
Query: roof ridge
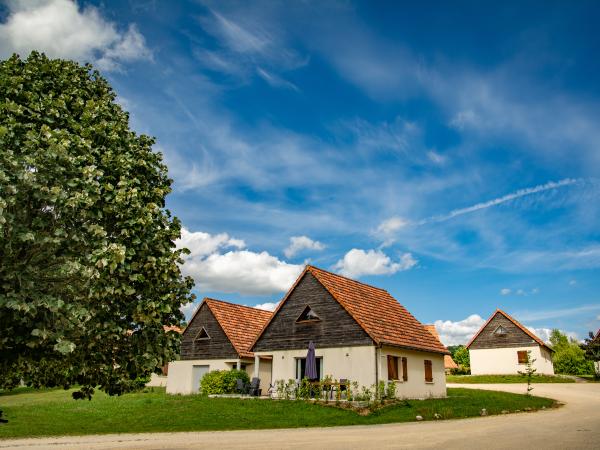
x=237, y=304
x=522, y=327
x=309, y=266
x=515, y=322
x=238, y=346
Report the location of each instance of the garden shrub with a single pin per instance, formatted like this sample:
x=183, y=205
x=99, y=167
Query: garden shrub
x=222, y=381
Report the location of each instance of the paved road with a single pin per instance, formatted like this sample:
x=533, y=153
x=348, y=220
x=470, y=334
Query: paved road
x=573, y=426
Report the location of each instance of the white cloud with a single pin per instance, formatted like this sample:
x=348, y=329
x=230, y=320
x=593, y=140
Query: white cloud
x=572, y=282
x=458, y=333
x=391, y=225
x=244, y=272
x=535, y=291
x=299, y=243
x=359, y=262
x=241, y=271
x=505, y=291
x=202, y=244
x=544, y=333
x=520, y=292
x=268, y=306
x=61, y=29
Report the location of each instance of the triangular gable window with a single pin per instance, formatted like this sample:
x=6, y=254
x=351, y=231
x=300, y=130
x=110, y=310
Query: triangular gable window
x=500, y=331
x=202, y=335
x=308, y=315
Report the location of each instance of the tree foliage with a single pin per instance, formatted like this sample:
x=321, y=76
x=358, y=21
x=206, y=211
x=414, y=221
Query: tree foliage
x=591, y=347
x=460, y=355
x=89, y=274
x=569, y=357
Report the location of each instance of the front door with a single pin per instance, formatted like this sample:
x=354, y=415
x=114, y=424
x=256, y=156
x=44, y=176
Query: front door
x=197, y=374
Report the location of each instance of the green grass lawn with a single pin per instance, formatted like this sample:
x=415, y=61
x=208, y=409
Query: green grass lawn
x=53, y=412
x=478, y=379
x=590, y=378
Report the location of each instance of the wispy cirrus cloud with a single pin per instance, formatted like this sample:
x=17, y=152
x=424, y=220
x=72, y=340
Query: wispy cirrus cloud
x=245, y=48
x=394, y=224
x=533, y=316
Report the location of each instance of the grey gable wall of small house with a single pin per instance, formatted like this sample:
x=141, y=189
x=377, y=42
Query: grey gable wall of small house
x=335, y=329
x=217, y=347
x=515, y=337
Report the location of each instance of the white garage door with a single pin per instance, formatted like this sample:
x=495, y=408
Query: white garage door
x=197, y=374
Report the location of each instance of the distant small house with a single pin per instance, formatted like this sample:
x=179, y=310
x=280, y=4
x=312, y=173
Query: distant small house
x=502, y=345
x=218, y=337
x=449, y=363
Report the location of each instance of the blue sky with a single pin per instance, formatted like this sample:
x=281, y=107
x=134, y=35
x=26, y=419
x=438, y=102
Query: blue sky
x=446, y=152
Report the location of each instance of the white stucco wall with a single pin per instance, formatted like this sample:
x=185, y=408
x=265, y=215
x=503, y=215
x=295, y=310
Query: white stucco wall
x=157, y=381
x=490, y=361
x=181, y=373
x=416, y=386
x=358, y=364
x=353, y=363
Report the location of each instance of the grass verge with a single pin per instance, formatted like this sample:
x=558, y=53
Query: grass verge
x=479, y=379
x=53, y=412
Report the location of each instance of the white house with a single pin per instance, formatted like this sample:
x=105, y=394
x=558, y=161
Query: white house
x=502, y=346
x=361, y=333
x=217, y=338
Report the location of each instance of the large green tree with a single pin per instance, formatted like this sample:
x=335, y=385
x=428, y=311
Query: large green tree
x=89, y=273
x=569, y=357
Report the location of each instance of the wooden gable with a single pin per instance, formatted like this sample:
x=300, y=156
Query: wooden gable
x=204, y=338
x=310, y=313
x=501, y=332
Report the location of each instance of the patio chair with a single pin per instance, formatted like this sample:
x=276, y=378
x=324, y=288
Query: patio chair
x=241, y=387
x=343, y=386
x=255, y=387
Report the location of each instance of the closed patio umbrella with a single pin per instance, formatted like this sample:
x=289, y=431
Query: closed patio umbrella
x=311, y=363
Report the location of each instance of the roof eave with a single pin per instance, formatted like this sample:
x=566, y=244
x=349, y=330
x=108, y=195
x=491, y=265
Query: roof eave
x=418, y=349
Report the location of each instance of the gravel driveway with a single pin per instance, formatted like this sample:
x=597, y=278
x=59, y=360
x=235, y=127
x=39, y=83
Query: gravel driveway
x=573, y=426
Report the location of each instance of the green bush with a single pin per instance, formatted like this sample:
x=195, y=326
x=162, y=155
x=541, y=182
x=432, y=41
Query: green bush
x=569, y=357
x=222, y=381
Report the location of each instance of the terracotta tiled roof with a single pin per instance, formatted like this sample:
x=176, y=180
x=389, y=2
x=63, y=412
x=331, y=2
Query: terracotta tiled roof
x=516, y=323
x=448, y=361
x=168, y=328
x=381, y=316
x=240, y=323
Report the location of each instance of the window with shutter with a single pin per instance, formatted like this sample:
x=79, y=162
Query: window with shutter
x=428, y=371
x=522, y=356
x=392, y=364
x=404, y=369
